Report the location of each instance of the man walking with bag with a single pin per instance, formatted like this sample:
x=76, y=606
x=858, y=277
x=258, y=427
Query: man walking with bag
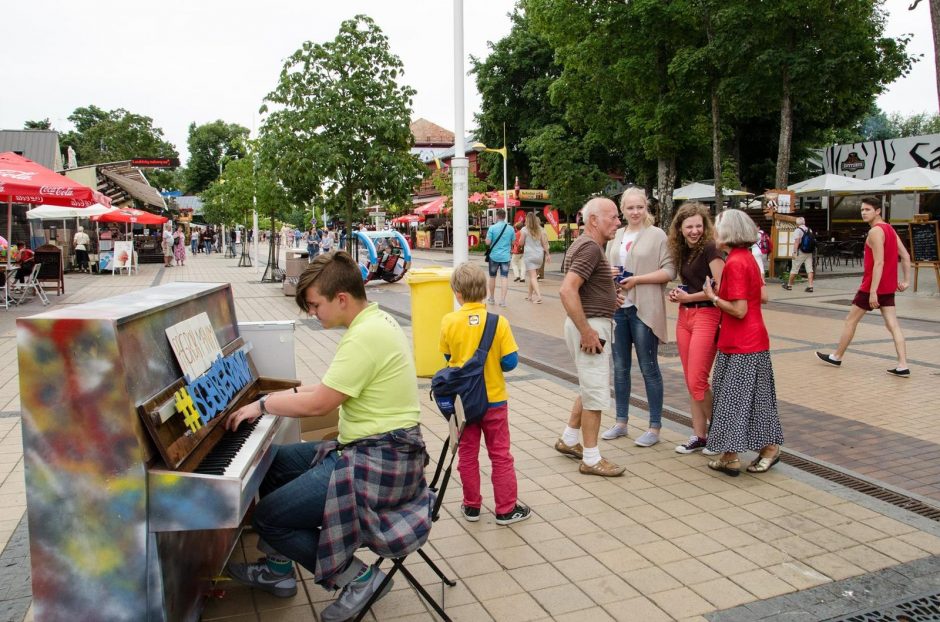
x=499, y=239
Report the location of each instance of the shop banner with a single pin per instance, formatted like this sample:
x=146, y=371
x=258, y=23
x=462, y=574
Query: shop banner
x=551, y=215
x=519, y=217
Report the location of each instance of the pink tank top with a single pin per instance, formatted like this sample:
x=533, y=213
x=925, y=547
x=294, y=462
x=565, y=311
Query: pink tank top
x=889, y=274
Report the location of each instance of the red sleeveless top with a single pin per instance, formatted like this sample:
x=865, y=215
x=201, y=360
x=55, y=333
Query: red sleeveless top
x=889, y=274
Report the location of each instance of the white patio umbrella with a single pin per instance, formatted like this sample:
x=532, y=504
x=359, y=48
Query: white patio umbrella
x=56, y=212
x=908, y=180
x=698, y=191
x=826, y=185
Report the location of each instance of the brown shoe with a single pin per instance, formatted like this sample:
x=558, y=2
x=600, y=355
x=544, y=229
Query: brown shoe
x=604, y=468
x=574, y=451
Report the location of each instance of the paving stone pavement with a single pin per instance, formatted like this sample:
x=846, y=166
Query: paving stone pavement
x=670, y=540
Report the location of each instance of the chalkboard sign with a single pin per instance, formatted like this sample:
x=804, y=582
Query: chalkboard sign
x=49, y=257
x=925, y=240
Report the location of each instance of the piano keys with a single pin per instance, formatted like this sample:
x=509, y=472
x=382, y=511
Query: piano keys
x=125, y=521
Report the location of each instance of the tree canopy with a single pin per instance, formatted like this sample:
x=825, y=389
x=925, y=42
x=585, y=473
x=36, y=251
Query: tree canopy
x=339, y=110
x=110, y=136
x=209, y=145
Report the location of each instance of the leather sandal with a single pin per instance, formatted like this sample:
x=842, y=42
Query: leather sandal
x=762, y=464
x=728, y=467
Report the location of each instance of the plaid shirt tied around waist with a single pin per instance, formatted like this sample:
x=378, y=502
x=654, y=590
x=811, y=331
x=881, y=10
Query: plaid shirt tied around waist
x=378, y=498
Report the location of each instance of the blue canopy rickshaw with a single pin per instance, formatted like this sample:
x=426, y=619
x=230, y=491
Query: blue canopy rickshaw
x=383, y=255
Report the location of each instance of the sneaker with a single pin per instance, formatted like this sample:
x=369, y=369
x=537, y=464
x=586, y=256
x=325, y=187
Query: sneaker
x=604, y=468
x=574, y=451
x=648, y=439
x=692, y=445
x=709, y=452
x=809, y=289
x=786, y=287
x=491, y=301
x=259, y=576
x=515, y=515
x=825, y=359
x=354, y=597
x=900, y=373
x=471, y=515
x=615, y=431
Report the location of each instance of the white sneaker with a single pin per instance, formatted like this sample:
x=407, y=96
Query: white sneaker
x=615, y=431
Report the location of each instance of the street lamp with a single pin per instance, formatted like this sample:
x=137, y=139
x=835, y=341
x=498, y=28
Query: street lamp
x=501, y=151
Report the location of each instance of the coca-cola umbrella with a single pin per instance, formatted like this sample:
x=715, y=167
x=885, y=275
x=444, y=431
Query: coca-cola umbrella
x=25, y=181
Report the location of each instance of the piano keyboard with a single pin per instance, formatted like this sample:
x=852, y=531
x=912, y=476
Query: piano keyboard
x=236, y=450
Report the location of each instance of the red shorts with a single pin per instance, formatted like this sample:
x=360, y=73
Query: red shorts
x=861, y=300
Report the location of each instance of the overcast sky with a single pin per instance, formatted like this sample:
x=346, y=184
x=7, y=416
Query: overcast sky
x=183, y=61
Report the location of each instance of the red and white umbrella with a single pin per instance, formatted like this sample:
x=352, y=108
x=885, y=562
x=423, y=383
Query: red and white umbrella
x=131, y=215
x=24, y=181
x=434, y=207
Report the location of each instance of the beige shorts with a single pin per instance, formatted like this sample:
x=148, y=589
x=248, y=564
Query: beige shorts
x=593, y=369
x=799, y=260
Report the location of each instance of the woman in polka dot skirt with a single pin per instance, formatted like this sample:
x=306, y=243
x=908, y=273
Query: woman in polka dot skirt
x=744, y=414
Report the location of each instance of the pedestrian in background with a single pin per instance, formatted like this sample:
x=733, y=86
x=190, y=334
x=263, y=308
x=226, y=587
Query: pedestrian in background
x=81, y=242
x=313, y=244
x=590, y=299
x=641, y=250
x=534, y=252
x=326, y=241
x=515, y=262
x=179, y=246
x=800, y=257
x=692, y=244
x=880, y=281
x=461, y=333
x=499, y=239
x=744, y=416
x=194, y=240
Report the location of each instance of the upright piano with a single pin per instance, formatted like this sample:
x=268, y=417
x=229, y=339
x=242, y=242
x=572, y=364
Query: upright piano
x=135, y=492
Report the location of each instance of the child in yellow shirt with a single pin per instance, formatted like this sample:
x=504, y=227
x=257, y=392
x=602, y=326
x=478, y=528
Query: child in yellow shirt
x=461, y=332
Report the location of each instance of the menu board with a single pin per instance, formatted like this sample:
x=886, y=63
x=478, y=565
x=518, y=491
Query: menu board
x=925, y=241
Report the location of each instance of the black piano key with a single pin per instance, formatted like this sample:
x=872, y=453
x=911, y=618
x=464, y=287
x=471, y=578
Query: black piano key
x=226, y=449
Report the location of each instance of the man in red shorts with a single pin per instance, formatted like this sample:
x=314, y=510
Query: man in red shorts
x=879, y=283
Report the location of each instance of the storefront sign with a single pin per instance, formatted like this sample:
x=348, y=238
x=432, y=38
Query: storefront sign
x=155, y=162
x=529, y=194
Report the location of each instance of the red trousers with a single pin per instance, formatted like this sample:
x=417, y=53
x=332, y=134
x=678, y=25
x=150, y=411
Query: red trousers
x=695, y=336
x=495, y=430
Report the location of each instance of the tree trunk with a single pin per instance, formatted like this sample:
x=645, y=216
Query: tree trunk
x=349, y=215
x=665, y=184
x=935, y=21
x=716, y=150
x=786, y=133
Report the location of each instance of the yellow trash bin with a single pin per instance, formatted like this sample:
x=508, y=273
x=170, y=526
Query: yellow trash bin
x=431, y=300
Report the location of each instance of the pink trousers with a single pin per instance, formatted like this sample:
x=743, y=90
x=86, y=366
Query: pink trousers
x=695, y=336
x=495, y=430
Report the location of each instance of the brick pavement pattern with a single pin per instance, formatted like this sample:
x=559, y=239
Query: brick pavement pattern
x=671, y=540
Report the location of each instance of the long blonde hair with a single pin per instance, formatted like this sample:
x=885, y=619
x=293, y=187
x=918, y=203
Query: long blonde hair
x=532, y=225
x=640, y=192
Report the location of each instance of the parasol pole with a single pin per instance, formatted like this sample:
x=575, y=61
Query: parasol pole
x=9, y=230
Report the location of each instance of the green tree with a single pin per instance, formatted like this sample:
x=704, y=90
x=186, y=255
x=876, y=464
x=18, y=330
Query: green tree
x=245, y=184
x=209, y=145
x=914, y=125
x=111, y=136
x=44, y=124
x=561, y=163
x=513, y=82
x=341, y=122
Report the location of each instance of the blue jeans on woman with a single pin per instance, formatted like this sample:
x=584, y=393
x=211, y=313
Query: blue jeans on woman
x=631, y=333
x=293, y=496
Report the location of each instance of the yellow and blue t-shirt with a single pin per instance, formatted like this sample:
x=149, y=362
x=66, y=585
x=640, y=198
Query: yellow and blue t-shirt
x=461, y=332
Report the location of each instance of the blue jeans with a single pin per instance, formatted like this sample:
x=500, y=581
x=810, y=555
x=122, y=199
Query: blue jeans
x=293, y=496
x=631, y=333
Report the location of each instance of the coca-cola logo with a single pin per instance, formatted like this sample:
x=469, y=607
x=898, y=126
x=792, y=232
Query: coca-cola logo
x=56, y=191
x=27, y=198
x=17, y=175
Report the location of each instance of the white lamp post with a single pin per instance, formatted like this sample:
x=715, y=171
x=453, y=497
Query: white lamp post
x=458, y=164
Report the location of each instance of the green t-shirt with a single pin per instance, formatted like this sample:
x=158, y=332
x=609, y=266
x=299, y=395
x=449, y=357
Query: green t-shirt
x=374, y=367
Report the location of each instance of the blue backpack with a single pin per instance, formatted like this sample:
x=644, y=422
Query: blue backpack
x=467, y=381
x=808, y=241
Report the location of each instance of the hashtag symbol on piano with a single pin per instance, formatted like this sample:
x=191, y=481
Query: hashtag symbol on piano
x=184, y=404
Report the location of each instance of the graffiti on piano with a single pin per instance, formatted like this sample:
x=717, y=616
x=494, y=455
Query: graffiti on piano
x=213, y=391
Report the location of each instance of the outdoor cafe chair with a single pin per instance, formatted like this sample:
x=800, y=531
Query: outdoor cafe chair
x=31, y=285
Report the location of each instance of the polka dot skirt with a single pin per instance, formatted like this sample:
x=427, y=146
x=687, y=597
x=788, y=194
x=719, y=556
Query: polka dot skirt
x=744, y=416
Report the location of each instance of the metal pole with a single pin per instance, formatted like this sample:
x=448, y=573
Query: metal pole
x=459, y=164
x=505, y=182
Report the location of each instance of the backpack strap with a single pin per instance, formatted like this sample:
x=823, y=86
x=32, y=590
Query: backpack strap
x=489, y=332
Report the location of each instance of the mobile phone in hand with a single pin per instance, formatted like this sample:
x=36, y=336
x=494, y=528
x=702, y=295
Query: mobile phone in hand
x=603, y=343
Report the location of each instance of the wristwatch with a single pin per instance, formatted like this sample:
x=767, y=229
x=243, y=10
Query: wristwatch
x=264, y=411
x=715, y=300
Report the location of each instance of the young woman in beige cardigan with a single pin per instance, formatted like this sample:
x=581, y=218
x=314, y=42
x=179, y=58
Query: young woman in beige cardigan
x=643, y=251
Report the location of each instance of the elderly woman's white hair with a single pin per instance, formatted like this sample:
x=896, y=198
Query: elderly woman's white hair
x=734, y=228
